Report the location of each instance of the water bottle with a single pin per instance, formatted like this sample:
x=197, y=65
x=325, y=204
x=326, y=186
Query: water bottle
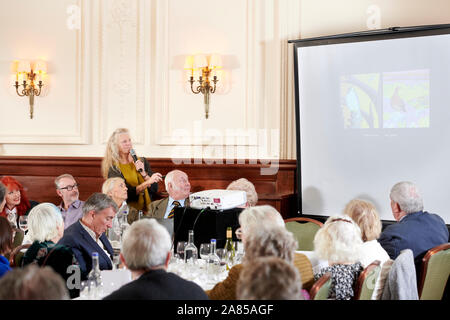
x=94, y=279
x=190, y=251
x=213, y=265
x=140, y=215
x=230, y=251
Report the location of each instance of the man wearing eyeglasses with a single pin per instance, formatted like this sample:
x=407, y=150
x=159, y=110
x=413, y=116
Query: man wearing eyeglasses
x=71, y=207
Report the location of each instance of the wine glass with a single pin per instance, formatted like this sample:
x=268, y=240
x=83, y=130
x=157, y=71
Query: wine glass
x=23, y=223
x=204, y=251
x=180, y=249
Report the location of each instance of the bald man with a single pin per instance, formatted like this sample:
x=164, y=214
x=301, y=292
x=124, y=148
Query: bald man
x=179, y=188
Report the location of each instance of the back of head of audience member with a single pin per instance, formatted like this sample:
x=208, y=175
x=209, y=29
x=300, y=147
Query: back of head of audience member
x=177, y=184
x=255, y=217
x=45, y=223
x=146, y=245
x=243, y=184
x=405, y=198
x=366, y=217
x=2, y=196
x=269, y=278
x=33, y=283
x=338, y=241
x=6, y=236
x=269, y=241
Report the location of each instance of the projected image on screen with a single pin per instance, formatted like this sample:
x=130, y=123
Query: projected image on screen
x=406, y=99
x=358, y=100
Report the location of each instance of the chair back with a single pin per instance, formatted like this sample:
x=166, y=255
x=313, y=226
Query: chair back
x=434, y=273
x=304, y=230
x=15, y=258
x=321, y=288
x=365, y=284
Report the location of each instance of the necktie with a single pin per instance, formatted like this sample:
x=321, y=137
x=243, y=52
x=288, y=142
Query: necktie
x=171, y=213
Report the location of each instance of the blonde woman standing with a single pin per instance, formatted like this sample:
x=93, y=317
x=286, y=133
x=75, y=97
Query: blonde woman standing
x=140, y=181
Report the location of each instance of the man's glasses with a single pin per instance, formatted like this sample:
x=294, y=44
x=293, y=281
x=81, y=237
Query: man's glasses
x=70, y=188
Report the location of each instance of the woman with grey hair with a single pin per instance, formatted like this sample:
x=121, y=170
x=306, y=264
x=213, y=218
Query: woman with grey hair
x=339, y=242
x=243, y=184
x=269, y=278
x=146, y=252
x=263, y=234
x=45, y=228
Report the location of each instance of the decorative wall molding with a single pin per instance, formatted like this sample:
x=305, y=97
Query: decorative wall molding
x=82, y=96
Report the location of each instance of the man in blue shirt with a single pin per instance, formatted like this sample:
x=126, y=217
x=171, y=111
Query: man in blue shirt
x=415, y=229
x=71, y=207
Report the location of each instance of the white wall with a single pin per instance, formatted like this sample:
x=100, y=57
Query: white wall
x=123, y=67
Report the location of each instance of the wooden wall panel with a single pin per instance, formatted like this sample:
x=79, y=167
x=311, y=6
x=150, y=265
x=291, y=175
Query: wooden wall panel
x=38, y=173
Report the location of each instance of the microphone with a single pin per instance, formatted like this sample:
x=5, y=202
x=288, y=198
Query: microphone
x=133, y=154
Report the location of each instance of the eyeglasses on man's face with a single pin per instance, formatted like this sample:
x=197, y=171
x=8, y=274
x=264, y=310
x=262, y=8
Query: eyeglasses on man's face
x=69, y=187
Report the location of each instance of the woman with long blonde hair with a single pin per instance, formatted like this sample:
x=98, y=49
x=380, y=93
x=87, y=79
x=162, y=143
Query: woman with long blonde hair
x=140, y=181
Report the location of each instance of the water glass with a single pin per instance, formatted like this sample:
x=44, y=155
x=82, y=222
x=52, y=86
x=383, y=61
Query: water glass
x=180, y=249
x=205, y=248
x=23, y=223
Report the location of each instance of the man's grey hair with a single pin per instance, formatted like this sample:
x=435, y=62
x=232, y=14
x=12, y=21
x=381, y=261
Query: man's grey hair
x=98, y=202
x=145, y=245
x=65, y=175
x=2, y=192
x=408, y=196
x=110, y=183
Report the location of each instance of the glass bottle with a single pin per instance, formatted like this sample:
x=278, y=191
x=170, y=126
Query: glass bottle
x=230, y=251
x=190, y=251
x=140, y=215
x=213, y=265
x=94, y=279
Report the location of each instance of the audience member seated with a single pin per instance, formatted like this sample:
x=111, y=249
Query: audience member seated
x=243, y=184
x=71, y=206
x=146, y=251
x=415, y=229
x=141, y=182
x=2, y=196
x=366, y=217
x=87, y=235
x=6, y=244
x=269, y=278
x=263, y=234
x=17, y=203
x=45, y=228
x=339, y=242
x=178, y=187
x=32, y=283
x=116, y=189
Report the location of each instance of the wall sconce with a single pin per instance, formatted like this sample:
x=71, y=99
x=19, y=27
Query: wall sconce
x=29, y=75
x=205, y=68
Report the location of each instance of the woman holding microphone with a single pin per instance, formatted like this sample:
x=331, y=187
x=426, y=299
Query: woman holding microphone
x=121, y=161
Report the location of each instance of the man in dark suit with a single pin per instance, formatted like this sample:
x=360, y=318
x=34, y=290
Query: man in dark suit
x=87, y=235
x=415, y=229
x=146, y=253
x=178, y=186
